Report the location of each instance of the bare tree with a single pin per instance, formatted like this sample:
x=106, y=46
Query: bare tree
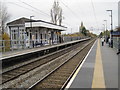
x=4, y=16
x=60, y=16
x=56, y=13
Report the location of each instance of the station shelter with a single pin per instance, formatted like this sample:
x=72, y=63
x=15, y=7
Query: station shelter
x=26, y=33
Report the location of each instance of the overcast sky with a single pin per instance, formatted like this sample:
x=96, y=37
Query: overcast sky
x=91, y=12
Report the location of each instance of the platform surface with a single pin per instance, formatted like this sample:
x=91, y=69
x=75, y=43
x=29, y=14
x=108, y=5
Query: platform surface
x=98, y=70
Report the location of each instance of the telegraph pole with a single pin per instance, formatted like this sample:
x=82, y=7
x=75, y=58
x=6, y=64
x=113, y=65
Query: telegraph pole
x=31, y=31
x=106, y=31
x=111, y=28
x=31, y=21
x=71, y=34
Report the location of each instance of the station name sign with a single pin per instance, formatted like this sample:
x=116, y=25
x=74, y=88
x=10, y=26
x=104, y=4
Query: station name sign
x=116, y=33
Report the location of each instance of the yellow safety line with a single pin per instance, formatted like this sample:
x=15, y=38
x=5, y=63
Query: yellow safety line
x=71, y=81
x=98, y=78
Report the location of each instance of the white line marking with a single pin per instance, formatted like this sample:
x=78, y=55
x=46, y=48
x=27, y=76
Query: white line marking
x=70, y=82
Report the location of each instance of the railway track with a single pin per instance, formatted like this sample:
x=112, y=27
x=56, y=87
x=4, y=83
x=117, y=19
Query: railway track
x=59, y=77
x=16, y=72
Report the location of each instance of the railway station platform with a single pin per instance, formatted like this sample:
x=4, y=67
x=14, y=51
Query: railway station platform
x=39, y=50
x=99, y=69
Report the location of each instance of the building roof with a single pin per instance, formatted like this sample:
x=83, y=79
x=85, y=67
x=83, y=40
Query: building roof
x=19, y=21
x=45, y=25
x=44, y=22
x=35, y=23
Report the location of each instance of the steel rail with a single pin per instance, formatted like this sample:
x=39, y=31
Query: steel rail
x=32, y=86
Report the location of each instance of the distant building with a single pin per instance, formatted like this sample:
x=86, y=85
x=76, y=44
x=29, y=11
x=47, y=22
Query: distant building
x=25, y=32
x=119, y=14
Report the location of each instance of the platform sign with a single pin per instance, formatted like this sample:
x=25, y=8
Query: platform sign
x=116, y=33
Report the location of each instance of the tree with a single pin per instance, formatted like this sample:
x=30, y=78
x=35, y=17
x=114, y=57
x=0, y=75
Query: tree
x=83, y=29
x=4, y=16
x=6, y=42
x=107, y=33
x=101, y=34
x=56, y=13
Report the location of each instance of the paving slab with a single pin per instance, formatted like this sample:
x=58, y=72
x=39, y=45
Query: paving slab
x=110, y=64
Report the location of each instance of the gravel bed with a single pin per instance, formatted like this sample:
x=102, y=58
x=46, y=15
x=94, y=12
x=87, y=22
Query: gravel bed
x=26, y=62
x=28, y=79
x=50, y=81
x=49, y=86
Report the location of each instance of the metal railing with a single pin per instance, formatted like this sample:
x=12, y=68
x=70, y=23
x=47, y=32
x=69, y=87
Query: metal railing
x=12, y=45
x=116, y=42
x=4, y=45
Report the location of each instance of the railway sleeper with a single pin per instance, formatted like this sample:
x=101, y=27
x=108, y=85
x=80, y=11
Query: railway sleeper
x=51, y=81
x=13, y=74
x=65, y=69
x=69, y=67
x=61, y=74
x=5, y=79
x=58, y=78
x=48, y=85
x=54, y=82
x=20, y=71
x=7, y=76
x=64, y=73
x=25, y=68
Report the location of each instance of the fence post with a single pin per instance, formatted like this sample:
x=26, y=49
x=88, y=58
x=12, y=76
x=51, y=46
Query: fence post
x=12, y=45
x=4, y=45
x=24, y=44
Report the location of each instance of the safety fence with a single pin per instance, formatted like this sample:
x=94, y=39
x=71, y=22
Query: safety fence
x=116, y=42
x=13, y=45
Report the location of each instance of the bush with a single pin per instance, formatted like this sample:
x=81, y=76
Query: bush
x=6, y=41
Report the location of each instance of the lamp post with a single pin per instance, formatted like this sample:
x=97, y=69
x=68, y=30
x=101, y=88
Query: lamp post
x=111, y=28
x=106, y=23
x=71, y=34
x=31, y=31
x=31, y=21
x=106, y=31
